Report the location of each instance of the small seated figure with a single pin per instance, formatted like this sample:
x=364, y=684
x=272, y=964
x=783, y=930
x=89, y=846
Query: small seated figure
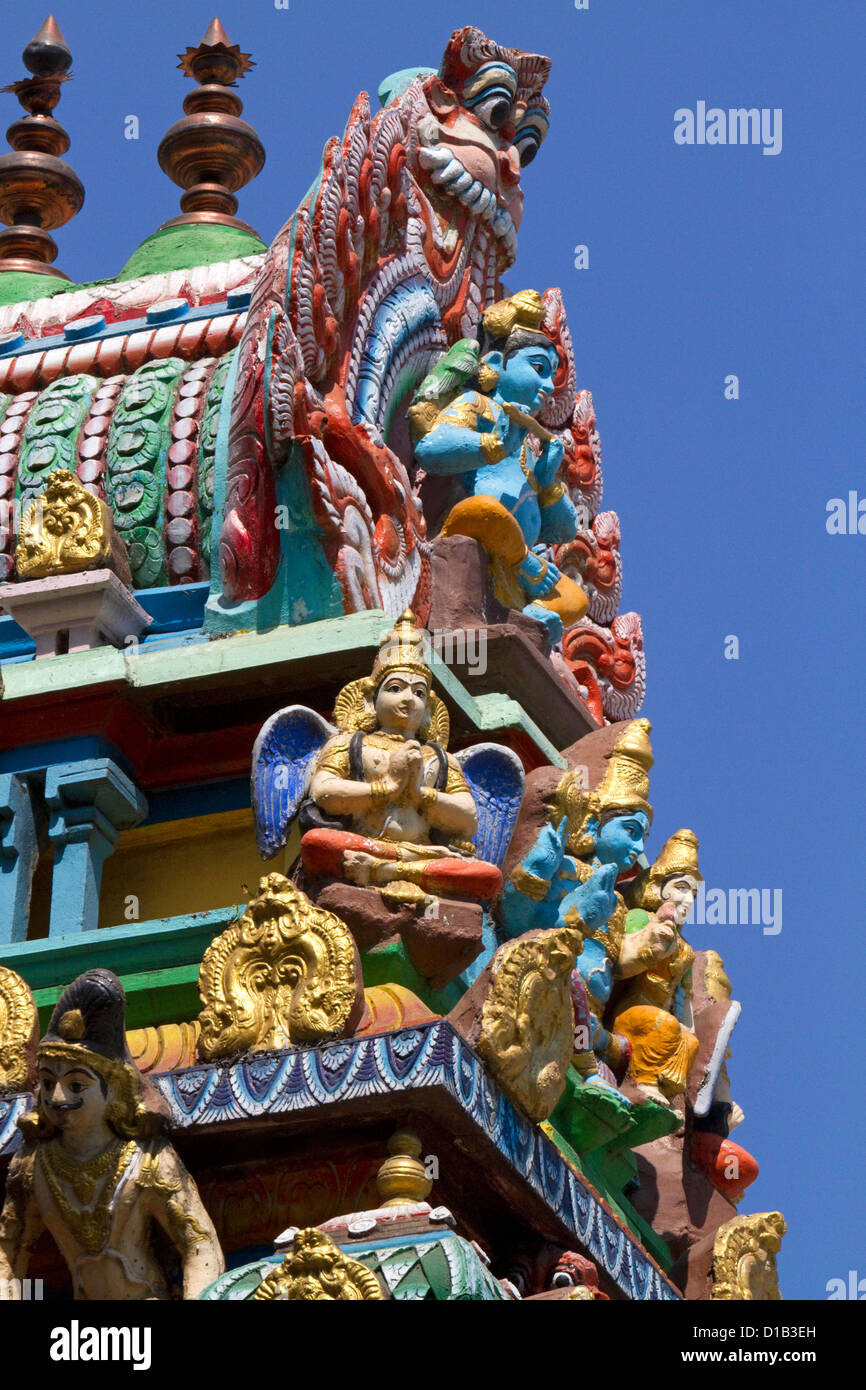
x=96, y=1169
x=516, y=505
x=388, y=807
x=654, y=1013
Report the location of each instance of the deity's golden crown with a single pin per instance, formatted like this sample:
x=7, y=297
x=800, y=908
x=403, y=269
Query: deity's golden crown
x=403, y=649
x=523, y=310
x=623, y=788
x=678, y=855
x=625, y=785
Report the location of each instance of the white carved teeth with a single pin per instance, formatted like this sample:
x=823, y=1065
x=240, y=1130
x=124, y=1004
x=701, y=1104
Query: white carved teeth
x=460, y=184
x=448, y=173
x=432, y=158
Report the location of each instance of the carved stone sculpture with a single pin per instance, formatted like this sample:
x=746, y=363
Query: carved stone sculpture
x=381, y=802
x=654, y=1012
x=96, y=1169
x=487, y=434
x=67, y=530
x=408, y=809
x=527, y=1035
x=744, y=1258
x=286, y=973
x=592, y=838
x=368, y=278
x=19, y=1032
x=317, y=1269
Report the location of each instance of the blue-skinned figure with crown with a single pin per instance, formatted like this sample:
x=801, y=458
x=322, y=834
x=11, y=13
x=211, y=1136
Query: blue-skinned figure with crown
x=475, y=420
x=593, y=839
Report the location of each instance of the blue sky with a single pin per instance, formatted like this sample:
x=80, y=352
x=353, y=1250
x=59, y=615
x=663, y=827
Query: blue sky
x=704, y=261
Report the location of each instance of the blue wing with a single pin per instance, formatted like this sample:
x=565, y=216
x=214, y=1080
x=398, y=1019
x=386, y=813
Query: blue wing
x=282, y=754
x=495, y=777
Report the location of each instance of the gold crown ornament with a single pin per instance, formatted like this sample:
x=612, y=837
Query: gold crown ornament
x=678, y=855
x=623, y=788
x=522, y=310
x=404, y=648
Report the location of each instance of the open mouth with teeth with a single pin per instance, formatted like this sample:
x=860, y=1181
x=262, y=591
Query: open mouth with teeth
x=452, y=179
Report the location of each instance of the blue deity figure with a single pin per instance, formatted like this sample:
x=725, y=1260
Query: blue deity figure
x=516, y=506
x=569, y=876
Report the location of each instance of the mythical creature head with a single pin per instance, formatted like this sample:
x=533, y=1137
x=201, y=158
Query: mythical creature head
x=486, y=119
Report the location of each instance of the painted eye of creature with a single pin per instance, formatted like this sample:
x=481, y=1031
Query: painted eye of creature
x=491, y=95
x=533, y=129
x=494, y=109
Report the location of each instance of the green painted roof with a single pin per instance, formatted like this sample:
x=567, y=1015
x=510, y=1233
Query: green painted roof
x=180, y=248
x=176, y=248
x=19, y=286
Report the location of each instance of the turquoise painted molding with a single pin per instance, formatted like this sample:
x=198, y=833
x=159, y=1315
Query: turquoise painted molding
x=177, y=614
x=88, y=803
x=19, y=852
x=161, y=944
x=488, y=714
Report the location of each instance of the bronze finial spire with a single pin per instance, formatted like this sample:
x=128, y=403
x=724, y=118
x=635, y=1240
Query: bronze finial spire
x=211, y=153
x=37, y=190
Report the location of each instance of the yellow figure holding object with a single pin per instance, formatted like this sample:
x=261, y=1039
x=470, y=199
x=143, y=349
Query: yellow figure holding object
x=516, y=504
x=654, y=1013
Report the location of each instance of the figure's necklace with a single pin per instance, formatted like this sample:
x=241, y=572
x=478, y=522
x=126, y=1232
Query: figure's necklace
x=89, y=1228
x=527, y=471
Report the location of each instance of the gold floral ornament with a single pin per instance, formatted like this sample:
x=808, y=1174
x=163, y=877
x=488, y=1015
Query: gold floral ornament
x=527, y=1022
x=19, y=1032
x=316, y=1268
x=67, y=530
x=404, y=649
x=284, y=974
x=744, y=1258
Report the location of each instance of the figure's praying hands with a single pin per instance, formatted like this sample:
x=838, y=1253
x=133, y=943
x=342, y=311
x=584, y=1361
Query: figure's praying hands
x=406, y=768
